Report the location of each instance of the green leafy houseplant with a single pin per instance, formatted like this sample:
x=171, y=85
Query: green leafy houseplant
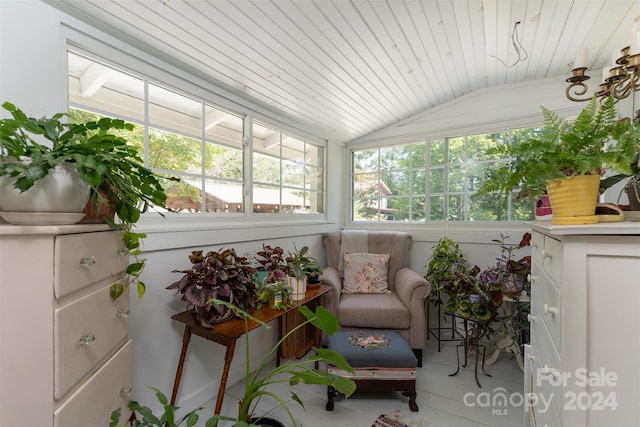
x=563, y=149
x=218, y=275
x=112, y=168
x=301, y=264
x=257, y=382
x=442, y=267
x=276, y=294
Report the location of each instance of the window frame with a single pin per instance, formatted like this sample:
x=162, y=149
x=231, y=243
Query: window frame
x=209, y=95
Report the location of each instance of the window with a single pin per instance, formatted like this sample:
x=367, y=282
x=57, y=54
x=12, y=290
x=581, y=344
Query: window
x=203, y=144
x=434, y=181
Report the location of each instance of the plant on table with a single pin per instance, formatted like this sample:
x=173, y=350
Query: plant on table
x=218, y=275
x=272, y=259
x=104, y=161
x=276, y=294
x=257, y=382
x=300, y=264
x=445, y=262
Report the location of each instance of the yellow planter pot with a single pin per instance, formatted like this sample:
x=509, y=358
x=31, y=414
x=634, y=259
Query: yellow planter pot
x=573, y=200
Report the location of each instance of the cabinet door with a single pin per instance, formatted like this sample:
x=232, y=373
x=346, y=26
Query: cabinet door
x=107, y=390
x=298, y=343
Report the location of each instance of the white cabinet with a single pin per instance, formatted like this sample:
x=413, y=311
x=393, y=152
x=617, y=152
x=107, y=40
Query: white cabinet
x=584, y=359
x=65, y=355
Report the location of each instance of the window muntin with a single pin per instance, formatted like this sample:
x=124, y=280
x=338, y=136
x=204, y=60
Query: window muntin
x=202, y=144
x=434, y=181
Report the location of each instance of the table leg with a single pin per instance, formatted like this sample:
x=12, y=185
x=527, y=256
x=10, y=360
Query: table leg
x=228, y=357
x=185, y=344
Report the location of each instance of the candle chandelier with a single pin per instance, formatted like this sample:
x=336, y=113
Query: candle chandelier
x=619, y=80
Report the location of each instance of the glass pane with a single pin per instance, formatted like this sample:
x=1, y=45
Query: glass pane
x=418, y=155
x=521, y=209
x=436, y=180
x=456, y=149
x=397, y=209
x=365, y=161
x=417, y=182
x=456, y=179
x=266, y=169
x=266, y=199
x=99, y=87
x=477, y=145
x=396, y=157
x=436, y=208
x=185, y=196
x=456, y=208
x=489, y=207
x=223, y=127
x=436, y=152
x=223, y=162
x=173, y=111
x=417, y=208
x=366, y=185
x=314, y=155
x=365, y=210
x=223, y=196
x=169, y=151
x=266, y=139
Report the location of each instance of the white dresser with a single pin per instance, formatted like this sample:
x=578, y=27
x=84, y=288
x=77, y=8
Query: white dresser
x=584, y=363
x=65, y=355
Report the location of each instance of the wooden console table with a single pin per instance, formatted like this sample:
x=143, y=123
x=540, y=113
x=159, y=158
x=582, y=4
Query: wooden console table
x=227, y=333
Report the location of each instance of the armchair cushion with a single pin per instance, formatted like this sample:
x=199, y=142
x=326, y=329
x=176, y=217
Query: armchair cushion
x=366, y=274
x=373, y=311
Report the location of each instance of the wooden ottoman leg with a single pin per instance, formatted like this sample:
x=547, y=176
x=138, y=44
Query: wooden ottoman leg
x=330, y=393
x=413, y=406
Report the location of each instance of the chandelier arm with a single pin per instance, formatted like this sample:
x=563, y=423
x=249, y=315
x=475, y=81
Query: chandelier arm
x=578, y=89
x=622, y=88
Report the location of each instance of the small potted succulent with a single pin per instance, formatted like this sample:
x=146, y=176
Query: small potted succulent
x=217, y=275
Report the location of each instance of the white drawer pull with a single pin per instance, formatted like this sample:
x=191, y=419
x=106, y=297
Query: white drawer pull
x=530, y=357
x=123, y=313
x=549, y=310
x=548, y=371
x=123, y=252
x=87, y=339
x=546, y=254
x=88, y=262
x=531, y=318
x=126, y=391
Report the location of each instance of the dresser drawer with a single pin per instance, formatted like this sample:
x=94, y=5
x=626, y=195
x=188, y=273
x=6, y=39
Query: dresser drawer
x=85, y=331
x=547, y=397
x=87, y=258
x=546, y=306
x=106, y=390
x=553, y=260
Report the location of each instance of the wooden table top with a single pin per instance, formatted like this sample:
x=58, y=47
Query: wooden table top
x=228, y=331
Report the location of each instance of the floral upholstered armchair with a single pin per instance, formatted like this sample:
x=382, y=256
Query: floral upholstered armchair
x=373, y=286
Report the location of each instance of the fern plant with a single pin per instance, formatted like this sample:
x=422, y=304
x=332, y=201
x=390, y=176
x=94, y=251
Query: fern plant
x=596, y=141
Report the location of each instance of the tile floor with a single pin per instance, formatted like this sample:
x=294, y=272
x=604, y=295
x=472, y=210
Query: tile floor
x=444, y=401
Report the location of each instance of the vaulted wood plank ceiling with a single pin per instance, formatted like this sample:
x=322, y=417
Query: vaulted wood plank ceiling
x=355, y=66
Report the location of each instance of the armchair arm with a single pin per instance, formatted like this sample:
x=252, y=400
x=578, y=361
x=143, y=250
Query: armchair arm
x=330, y=276
x=411, y=287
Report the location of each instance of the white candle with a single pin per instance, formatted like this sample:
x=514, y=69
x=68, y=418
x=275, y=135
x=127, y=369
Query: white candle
x=635, y=39
x=581, y=59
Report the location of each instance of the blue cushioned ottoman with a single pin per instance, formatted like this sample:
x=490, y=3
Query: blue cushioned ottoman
x=382, y=361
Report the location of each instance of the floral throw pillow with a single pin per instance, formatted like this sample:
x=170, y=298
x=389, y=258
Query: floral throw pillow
x=365, y=274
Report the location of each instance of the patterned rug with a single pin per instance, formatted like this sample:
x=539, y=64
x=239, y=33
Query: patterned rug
x=398, y=419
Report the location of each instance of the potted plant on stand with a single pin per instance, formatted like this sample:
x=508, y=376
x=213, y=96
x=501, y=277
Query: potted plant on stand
x=52, y=180
x=300, y=264
x=218, y=275
x=567, y=159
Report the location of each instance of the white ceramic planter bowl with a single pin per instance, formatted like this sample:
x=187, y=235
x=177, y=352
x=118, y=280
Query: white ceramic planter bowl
x=60, y=191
